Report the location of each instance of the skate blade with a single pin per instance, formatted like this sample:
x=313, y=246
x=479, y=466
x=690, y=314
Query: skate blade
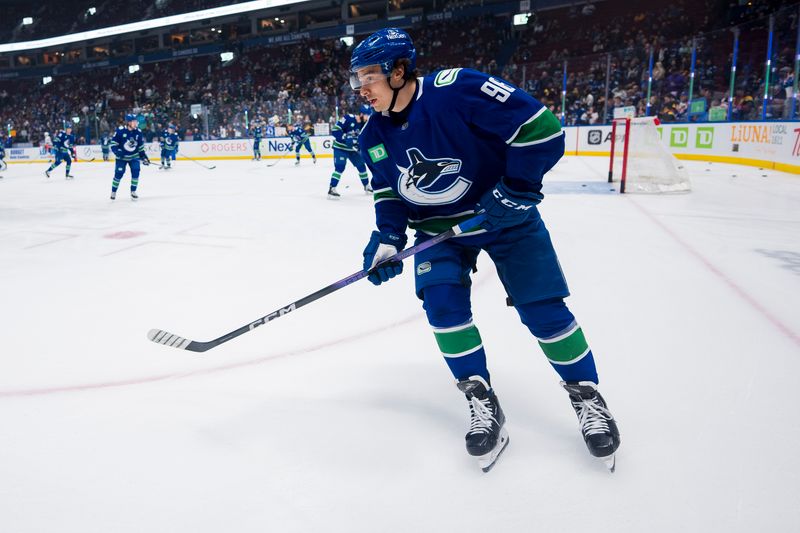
x=486, y=462
x=610, y=462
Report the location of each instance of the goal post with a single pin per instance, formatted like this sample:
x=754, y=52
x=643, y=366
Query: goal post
x=640, y=162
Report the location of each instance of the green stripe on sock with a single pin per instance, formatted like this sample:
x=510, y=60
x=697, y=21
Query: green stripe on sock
x=544, y=126
x=566, y=350
x=456, y=342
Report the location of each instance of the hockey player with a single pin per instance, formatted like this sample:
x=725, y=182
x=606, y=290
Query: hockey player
x=345, y=146
x=169, y=146
x=64, y=148
x=441, y=149
x=128, y=147
x=257, y=133
x=3, y=164
x=105, y=145
x=48, y=144
x=301, y=139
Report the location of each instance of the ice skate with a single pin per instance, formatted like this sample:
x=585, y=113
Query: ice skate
x=297, y=163
x=315, y=160
x=598, y=426
x=333, y=194
x=113, y=195
x=69, y=176
x=47, y=172
x=134, y=196
x=368, y=189
x=486, y=438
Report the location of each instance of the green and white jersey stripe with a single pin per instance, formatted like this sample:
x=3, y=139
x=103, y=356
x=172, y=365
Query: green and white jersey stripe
x=540, y=128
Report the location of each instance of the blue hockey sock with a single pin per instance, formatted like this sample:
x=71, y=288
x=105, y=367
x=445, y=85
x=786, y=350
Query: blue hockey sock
x=561, y=339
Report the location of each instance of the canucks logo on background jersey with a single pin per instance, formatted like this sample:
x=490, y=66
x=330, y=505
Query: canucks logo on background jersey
x=431, y=181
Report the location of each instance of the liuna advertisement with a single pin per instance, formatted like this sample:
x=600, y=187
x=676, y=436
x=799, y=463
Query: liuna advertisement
x=773, y=145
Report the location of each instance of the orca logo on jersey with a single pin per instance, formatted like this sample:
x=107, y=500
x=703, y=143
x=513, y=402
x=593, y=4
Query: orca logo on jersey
x=431, y=181
x=130, y=145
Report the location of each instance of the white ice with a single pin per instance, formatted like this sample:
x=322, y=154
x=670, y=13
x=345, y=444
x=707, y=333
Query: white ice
x=342, y=416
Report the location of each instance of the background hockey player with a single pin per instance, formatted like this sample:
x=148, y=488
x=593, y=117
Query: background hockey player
x=301, y=139
x=345, y=147
x=169, y=146
x=441, y=149
x=64, y=150
x=105, y=146
x=257, y=132
x=48, y=144
x=128, y=147
x=3, y=164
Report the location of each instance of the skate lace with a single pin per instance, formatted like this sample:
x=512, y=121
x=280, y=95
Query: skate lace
x=592, y=416
x=482, y=415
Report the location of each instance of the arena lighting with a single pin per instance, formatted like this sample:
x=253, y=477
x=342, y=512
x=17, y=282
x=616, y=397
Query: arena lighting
x=226, y=56
x=27, y=21
x=91, y=10
x=521, y=19
x=133, y=68
x=46, y=80
x=172, y=20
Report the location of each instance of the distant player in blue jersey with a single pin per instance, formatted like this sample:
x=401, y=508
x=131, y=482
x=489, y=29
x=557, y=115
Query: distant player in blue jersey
x=3, y=164
x=301, y=139
x=257, y=132
x=64, y=149
x=128, y=147
x=105, y=146
x=169, y=146
x=442, y=149
x=345, y=147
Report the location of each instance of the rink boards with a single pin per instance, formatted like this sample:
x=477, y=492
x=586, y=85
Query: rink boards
x=774, y=145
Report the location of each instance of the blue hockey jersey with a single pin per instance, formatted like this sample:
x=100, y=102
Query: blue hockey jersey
x=64, y=142
x=464, y=131
x=169, y=141
x=128, y=144
x=257, y=133
x=345, y=132
x=105, y=143
x=299, y=135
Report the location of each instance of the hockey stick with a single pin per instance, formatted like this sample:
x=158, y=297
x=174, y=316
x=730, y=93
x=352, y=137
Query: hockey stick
x=164, y=337
x=279, y=159
x=212, y=167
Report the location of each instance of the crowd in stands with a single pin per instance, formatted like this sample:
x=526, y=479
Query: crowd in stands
x=307, y=82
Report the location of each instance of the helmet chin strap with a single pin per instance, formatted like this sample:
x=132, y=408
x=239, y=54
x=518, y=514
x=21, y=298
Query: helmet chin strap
x=395, y=92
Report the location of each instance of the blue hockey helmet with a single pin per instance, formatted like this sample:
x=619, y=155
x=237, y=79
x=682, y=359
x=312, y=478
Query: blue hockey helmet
x=383, y=48
x=129, y=117
x=171, y=127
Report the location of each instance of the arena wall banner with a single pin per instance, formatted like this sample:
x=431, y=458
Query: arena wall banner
x=774, y=145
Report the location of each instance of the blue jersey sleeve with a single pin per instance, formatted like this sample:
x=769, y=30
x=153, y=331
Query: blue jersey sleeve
x=532, y=134
x=391, y=214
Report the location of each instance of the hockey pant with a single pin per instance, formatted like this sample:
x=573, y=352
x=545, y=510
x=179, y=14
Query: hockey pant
x=119, y=171
x=340, y=158
x=62, y=156
x=528, y=268
x=307, y=145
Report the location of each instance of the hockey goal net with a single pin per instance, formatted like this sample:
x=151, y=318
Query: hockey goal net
x=639, y=160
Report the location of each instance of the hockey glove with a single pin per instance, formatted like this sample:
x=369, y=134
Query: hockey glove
x=504, y=208
x=145, y=160
x=382, y=246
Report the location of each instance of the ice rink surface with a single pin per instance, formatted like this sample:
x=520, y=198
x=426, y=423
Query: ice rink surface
x=342, y=416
